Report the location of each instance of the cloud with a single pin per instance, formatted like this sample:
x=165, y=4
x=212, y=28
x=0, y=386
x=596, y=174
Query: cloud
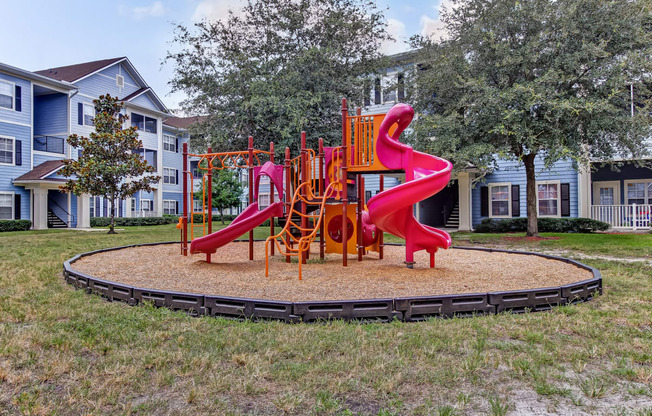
x=153, y=10
x=434, y=27
x=396, y=29
x=216, y=9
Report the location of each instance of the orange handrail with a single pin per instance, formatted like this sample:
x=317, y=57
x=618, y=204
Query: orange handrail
x=303, y=242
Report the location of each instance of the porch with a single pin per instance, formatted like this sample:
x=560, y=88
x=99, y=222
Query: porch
x=633, y=217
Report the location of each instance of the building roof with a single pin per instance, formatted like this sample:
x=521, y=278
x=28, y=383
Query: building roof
x=42, y=171
x=183, y=122
x=22, y=73
x=136, y=94
x=72, y=73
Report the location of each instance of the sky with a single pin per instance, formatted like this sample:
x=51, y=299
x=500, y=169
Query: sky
x=42, y=34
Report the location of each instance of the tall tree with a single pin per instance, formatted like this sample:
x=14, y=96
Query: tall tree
x=226, y=191
x=536, y=79
x=108, y=165
x=277, y=68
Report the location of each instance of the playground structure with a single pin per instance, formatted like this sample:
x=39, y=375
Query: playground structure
x=322, y=194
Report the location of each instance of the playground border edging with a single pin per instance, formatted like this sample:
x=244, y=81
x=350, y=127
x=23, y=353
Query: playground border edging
x=408, y=309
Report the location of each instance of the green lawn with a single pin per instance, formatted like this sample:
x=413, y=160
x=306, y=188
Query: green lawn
x=65, y=352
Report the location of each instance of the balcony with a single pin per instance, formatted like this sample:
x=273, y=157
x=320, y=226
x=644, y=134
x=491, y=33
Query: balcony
x=634, y=217
x=50, y=144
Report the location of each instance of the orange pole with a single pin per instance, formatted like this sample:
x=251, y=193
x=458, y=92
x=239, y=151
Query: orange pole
x=304, y=179
x=251, y=191
x=210, y=200
x=288, y=191
x=271, y=194
x=320, y=158
x=343, y=178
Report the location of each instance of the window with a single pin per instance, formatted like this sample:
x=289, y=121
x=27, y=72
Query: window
x=499, y=202
x=7, y=95
x=89, y=114
x=170, y=176
x=401, y=87
x=377, y=91
x=6, y=206
x=146, y=204
x=263, y=201
x=133, y=204
x=7, y=150
x=548, y=199
x=143, y=123
x=390, y=93
x=638, y=192
x=169, y=143
x=197, y=205
x=170, y=207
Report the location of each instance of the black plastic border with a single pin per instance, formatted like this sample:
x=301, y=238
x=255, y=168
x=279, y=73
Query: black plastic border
x=408, y=309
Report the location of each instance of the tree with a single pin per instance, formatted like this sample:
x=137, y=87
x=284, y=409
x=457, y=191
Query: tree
x=108, y=165
x=226, y=191
x=537, y=79
x=277, y=68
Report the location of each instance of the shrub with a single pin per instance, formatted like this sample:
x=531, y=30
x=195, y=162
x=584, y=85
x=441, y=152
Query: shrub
x=133, y=221
x=546, y=225
x=15, y=225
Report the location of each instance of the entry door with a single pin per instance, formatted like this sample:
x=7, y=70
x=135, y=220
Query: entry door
x=606, y=193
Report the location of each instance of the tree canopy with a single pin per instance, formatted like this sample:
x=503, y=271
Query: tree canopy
x=277, y=68
x=542, y=79
x=108, y=165
x=226, y=191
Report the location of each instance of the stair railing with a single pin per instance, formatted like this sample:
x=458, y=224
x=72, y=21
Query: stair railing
x=68, y=215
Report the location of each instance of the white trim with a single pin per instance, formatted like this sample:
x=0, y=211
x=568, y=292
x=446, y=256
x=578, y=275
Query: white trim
x=172, y=192
x=13, y=203
x=174, y=170
x=174, y=141
x=31, y=127
x=13, y=155
x=174, y=202
x=628, y=181
x=150, y=204
x=99, y=70
x=15, y=122
x=595, y=188
x=509, y=199
x=86, y=95
x=84, y=104
x=53, y=154
x=13, y=95
x=558, y=183
x=61, y=90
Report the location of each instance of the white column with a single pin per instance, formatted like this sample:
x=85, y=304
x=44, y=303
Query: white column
x=40, y=220
x=158, y=201
x=83, y=211
x=128, y=206
x=464, y=200
x=584, y=191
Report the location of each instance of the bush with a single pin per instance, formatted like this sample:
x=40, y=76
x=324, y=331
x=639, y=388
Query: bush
x=15, y=225
x=546, y=225
x=133, y=221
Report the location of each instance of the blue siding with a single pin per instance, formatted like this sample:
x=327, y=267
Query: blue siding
x=143, y=100
x=38, y=159
x=113, y=70
x=25, y=115
x=97, y=85
x=628, y=171
x=170, y=196
x=50, y=114
x=7, y=173
x=513, y=173
x=73, y=209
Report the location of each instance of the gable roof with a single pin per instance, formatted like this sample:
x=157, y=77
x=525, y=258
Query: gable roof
x=72, y=73
x=183, y=122
x=42, y=171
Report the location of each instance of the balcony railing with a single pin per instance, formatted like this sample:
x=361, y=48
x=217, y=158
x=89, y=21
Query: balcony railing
x=632, y=216
x=51, y=144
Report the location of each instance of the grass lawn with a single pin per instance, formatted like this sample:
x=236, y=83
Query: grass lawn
x=65, y=352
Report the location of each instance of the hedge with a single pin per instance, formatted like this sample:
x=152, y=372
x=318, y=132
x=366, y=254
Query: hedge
x=165, y=219
x=546, y=225
x=15, y=225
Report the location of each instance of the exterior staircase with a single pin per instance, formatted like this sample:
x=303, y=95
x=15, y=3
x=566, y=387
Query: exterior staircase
x=54, y=221
x=453, y=220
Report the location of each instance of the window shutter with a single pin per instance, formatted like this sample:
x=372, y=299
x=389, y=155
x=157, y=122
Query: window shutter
x=19, y=153
x=105, y=206
x=17, y=206
x=516, y=201
x=176, y=207
x=484, y=201
x=97, y=206
x=19, y=98
x=177, y=146
x=177, y=174
x=80, y=114
x=565, y=200
x=79, y=153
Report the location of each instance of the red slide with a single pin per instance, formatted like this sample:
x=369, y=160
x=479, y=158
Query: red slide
x=425, y=175
x=248, y=219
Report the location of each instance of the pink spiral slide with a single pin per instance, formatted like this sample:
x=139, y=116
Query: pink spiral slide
x=425, y=175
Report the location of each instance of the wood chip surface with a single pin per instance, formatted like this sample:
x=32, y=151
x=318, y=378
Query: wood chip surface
x=232, y=274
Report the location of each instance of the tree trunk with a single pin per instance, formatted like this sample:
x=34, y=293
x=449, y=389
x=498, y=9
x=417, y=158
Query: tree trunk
x=111, y=227
x=531, y=195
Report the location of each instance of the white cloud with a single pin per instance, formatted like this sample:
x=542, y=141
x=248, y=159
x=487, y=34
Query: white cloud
x=153, y=10
x=396, y=29
x=434, y=27
x=216, y=9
